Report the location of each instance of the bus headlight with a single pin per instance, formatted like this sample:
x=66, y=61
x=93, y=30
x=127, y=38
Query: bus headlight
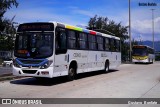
x=47, y=64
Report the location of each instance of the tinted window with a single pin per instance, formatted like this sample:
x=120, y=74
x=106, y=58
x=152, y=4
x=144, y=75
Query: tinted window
x=34, y=45
x=92, y=42
x=107, y=45
x=100, y=43
x=71, y=39
x=117, y=45
x=60, y=40
x=82, y=41
x=140, y=51
x=112, y=44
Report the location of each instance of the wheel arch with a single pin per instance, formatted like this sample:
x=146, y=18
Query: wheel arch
x=107, y=61
x=73, y=64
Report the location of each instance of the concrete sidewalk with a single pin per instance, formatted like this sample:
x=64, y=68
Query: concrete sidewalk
x=6, y=73
x=5, y=70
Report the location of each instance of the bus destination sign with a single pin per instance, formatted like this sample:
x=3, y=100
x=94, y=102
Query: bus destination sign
x=138, y=46
x=36, y=27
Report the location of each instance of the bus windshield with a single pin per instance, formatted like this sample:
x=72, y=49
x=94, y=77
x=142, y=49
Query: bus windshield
x=34, y=45
x=139, y=52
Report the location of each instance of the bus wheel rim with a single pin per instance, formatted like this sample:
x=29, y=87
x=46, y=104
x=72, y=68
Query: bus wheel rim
x=71, y=73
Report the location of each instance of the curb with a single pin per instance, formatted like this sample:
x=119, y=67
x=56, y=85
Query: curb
x=8, y=76
x=5, y=74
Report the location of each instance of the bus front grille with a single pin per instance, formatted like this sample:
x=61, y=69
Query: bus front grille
x=29, y=71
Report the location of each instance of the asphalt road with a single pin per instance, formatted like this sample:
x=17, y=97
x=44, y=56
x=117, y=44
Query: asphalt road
x=129, y=81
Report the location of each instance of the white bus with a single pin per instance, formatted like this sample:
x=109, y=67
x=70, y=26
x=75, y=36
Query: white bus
x=142, y=54
x=54, y=49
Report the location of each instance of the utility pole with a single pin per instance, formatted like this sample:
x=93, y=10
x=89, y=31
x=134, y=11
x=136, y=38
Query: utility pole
x=153, y=26
x=130, y=37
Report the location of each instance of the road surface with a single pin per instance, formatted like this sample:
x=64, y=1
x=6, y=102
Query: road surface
x=129, y=81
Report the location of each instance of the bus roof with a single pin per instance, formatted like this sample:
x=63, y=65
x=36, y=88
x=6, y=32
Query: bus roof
x=85, y=30
x=63, y=26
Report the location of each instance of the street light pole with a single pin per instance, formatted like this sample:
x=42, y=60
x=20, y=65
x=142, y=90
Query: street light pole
x=153, y=26
x=130, y=38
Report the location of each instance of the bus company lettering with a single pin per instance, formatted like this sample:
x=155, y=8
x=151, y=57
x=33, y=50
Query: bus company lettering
x=103, y=55
x=84, y=56
x=77, y=54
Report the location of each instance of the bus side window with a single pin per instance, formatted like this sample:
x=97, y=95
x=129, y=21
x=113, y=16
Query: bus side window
x=117, y=45
x=72, y=38
x=82, y=41
x=61, y=41
x=92, y=42
x=106, y=44
x=100, y=43
x=112, y=45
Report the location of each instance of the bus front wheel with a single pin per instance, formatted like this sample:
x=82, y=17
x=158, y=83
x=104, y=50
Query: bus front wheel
x=71, y=74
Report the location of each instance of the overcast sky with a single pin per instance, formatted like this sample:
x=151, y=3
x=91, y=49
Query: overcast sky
x=78, y=12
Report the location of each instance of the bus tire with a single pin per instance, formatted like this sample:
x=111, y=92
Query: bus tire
x=149, y=61
x=106, y=68
x=71, y=73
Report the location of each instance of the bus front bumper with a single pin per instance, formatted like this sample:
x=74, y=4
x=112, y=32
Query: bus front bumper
x=32, y=72
x=140, y=61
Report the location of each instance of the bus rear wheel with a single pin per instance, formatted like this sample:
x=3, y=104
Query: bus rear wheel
x=152, y=61
x=106, y=66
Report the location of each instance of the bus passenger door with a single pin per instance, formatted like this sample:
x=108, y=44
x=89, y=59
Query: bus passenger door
x=115, y=53
x=60, y=63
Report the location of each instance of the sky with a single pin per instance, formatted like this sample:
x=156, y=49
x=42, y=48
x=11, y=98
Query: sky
x=78, y=12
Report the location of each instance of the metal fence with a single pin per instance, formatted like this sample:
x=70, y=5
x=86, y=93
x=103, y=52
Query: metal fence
x=5, y=54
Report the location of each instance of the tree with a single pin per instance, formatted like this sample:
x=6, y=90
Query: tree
x=157, y=56
x=134, y=42
x=7, y=29
x=104, y=25
x=5, y=5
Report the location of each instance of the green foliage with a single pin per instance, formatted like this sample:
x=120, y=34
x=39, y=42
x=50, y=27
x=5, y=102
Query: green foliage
x=7, y=29
x=6, y=4
x=104, y=25
x=134, y=42
x=157, y=56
